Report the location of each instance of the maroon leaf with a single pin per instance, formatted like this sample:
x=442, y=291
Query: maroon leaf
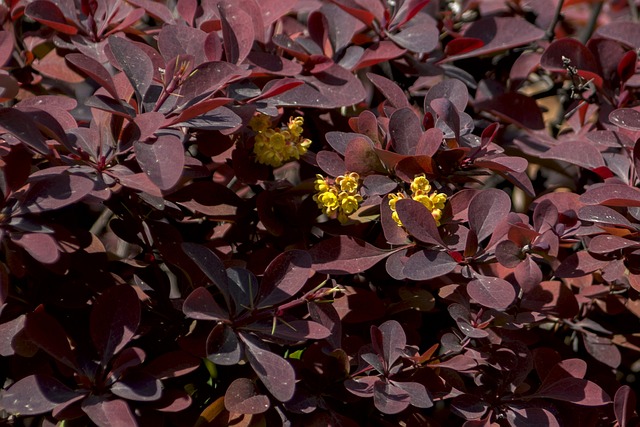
x=421, y=35
x=200, y=305
x=447, y=115
x=498, y=34
x=462, y=45
x=575, y=390
x=360, y=156
x=486, y=210
x=491, y=292
x=53, y=191
x=602, y=349
x=276, y=87
x=242, y=397
x=426, y=265
x=108, y=412
x=176, y=40
x=508, y=253
x=624, y=403
x=135, y=63
x=627, y=66
x=604, y=215
x=580, y=57
x=611, y=195
x=626, y=118
x=47, y=13
x=469, y=406
x=284, y=277
x=579, y=264
x=138, y=386
x=393, y=342
x=389, y=399
x=391, y=91
x=326, y=315
x=345, y=255
x=173, y=400
x=276, y=373
x=382, y=51
x=295, y=330
x=95, y=70
x=419, y=222
x=114, y=320
x=576, y=152
x=405, y=130
x=331, y=163
x=172, y=364
x=607, y=243
x=45, y=332
x=417, y=392
x=35, y=394
x=223, y=346
x=452, y=89
x=162, y=160
x=626, y=32
x=22, y=126
x=42, y=247
x=237, y=31
x=525, y=416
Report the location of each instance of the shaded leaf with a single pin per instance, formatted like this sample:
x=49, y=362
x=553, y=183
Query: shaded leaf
x=135, y=63
x=162, y=160
x=284, y=277
x=575, y=390
x=242, y=397
x=138, y=386
x=486, y=210
x=108, y=412
x=200, y=305
x=427, y=264
x=345, y=255
x=223, y=346
x=419, y=222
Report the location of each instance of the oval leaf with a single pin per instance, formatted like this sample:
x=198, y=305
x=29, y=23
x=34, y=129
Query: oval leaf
x=492, y=292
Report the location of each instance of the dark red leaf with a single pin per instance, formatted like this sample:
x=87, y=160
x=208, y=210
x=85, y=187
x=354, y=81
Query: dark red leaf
x=611, y=195
x=135, y=64
x=462, y=45
x=498, y=34
x=602, y=349
x=389, y=399
x=35, y=394
x=360, y=156
x=577, y=152
x=521, y=416
x=295, y=330
x=284, y=277
x=624, y=403
x=491, y=292
x=419, y=222
x=200, y=305
x=604, y=215
x=108, y=412
x=391, y=91
x=625, y=32
x=486, y=210
x=331, y=163
x=47, y=333
x=393, y=342
x=575, y=390
x=42, y=247
x=162, y=160
x=626, y=118
x=607, y=243
x=114, y=320
x=51, y=191
x=23, y=127
x=421, y=35
x=426, y=265
x=627, y=66
x=345, y=255
x=276, y=87
x=237, y=31
x=47, y=13
x=382, y=51
x=138, y=386
x=326, y=315
x=223, y=346
x=176, y=40
x=508, y=253
x=405, y=130
x=469, y=406
x=579, y=264
x=95, y=70
x=276, y=373
x=172, y=364
x=242, y=397
x=580, y=57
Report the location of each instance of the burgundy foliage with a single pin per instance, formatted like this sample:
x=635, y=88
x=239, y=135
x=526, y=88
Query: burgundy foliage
x=160, y=265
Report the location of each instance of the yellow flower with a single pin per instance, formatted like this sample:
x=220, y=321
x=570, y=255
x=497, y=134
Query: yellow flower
x=420, y=188
x=341, y=197
x=274, y=147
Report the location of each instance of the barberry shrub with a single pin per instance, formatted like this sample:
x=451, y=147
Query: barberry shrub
x=323, y=213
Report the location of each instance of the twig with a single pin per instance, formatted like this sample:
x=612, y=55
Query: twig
x=586, y=33
x=550, y=33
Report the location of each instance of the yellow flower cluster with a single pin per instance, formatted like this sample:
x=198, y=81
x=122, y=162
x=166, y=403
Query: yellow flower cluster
x=420, y=189
x=341, y=198
x=274, y=147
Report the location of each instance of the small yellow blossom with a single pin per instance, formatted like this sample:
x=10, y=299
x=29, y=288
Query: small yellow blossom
x=341, y=197
x=420, y=188
x=274, y=147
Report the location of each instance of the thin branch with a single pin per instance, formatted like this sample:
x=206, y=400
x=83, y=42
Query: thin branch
x=550, y=33
x=586, y=33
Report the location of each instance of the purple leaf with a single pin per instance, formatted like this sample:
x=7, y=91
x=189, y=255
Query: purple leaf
x=330, y=162
x=521, y=416
x=35, y=394
x=626, y=118
x=469, y=406
x=45, y=332
x=327, y=316
x=382, y=51
x=223, y=347
x=419, y=222
x=607, y=243
x=391, y=91
x=135, y=63
x=625, y=32
x=360, y=156
x=172, y=364
x=508, y=253
x=419, y=395
x=624, y=403
x=95, y=70
x=491, y=292
x=377, y=185
x=108, y=412
x=448, y=117
x=162, y=160
x=579, y=264
x=421, y=35
x=176, y=40
x=362, y=386
x=577, y=152
x=426, y=265
x=157, y=10
x=498, y=34
x=486, y=210
x=295, y=330
x=42, y=247
x=242, y=397
x=612, y=195
x=54, y=191
x=243, y=288
x=345, y=255
x=602, y=349
x=276, y=373
x=575, y=390
x=389, y=399
x=405, y=130
x=114, y=320
x=394, y=341
x=47, y=13
x=200, y=305
x=210, y=265
x=581, y=58
x=23, y=127
x=452, y=89
x=237, y=31
x=284, y=277
x=138, y=386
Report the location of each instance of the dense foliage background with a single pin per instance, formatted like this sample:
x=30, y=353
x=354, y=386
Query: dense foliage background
x=319, y=213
